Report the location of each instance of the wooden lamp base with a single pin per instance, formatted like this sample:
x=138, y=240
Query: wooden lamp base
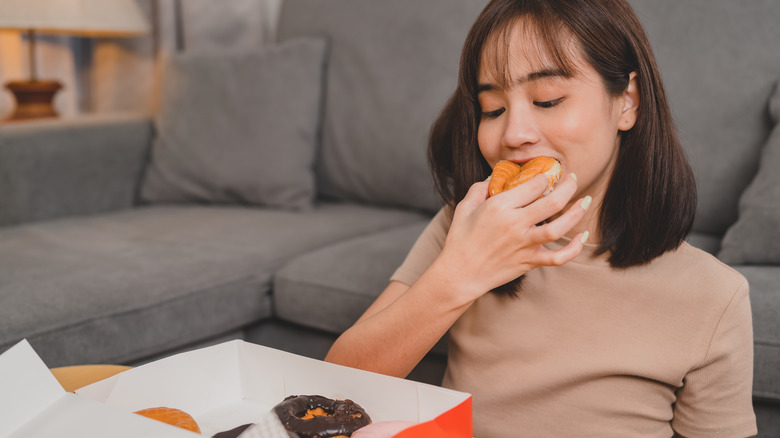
x=33, y=99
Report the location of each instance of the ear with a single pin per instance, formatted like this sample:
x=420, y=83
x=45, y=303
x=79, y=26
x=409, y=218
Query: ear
x=628, y=115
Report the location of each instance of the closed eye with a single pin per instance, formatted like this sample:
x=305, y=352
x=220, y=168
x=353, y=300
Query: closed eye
x=493, y=114
x=548, y=103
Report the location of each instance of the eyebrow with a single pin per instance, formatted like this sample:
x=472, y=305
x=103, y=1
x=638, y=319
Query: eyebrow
x=533, y=76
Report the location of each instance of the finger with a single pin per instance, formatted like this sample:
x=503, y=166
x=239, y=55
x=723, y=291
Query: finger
x=476, y=195
x=549, y=257
x=558, y=228
x=525, y=193
x=554, y=202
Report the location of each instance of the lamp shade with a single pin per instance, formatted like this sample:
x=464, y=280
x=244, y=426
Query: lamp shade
x=74, y=17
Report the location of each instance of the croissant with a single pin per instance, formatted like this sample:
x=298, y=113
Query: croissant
x=172, y=416
x=508, y=174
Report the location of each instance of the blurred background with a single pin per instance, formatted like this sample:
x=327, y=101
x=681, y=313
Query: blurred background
x=108, y=74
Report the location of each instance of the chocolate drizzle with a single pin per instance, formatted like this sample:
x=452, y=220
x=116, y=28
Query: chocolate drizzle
x=344, y=416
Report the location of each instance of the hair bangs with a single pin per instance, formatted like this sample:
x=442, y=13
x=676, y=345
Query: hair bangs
x=549, y=45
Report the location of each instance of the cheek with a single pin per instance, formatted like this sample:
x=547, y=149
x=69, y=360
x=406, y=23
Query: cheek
x=587, y=139
x=586, y=129
x=489, y=144
x=577, y=123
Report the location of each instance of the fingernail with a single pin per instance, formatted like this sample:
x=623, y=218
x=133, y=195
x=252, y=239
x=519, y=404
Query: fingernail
x=488, y=178
x=586, y=202
x=574, y=176
x=584, y=237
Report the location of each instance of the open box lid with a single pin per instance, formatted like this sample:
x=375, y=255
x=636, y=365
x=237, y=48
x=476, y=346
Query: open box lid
x=34, y=404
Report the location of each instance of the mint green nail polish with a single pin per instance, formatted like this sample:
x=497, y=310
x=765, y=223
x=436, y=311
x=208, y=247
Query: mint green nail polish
x=586, y=202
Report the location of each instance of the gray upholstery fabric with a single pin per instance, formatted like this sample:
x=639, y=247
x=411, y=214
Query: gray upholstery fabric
x=313, y=343
x=755, y=238
x=329, y=289
x=55, y=168
x=767, y=418
x=705, y=242
x=392, y=67
x=719, y=60
x=115, y=288
x=765, y=304
x=239, y=127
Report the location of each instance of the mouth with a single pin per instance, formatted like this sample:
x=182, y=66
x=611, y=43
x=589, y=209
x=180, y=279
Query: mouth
x=522, y=161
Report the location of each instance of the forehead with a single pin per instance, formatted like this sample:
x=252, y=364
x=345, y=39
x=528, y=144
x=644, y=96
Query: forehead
x=522, y=46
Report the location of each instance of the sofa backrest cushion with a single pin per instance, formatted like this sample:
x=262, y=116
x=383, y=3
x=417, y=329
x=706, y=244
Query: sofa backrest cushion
x=392, y=66
x=718, y=60
x=68, y=167
x=755, y=237
x=394, y=63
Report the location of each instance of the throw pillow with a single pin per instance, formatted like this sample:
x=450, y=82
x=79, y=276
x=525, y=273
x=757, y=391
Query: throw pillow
x=755, y=237
x=239, y=127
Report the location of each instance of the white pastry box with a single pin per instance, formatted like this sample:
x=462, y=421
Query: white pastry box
x=33, y=404
x=236, y=382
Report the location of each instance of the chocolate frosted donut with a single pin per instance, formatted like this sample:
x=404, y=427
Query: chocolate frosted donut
x=342, y=417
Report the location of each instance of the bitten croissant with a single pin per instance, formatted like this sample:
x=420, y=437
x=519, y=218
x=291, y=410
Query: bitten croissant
x=508, y=174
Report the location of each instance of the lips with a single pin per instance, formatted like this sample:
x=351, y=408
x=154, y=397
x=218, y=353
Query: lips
x=522, y=161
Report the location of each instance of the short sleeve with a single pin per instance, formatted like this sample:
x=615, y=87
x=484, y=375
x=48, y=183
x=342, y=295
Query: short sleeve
x=716, y=397
x=425, y=249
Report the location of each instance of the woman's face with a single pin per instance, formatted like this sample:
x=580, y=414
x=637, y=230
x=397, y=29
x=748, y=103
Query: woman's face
x=543, y=112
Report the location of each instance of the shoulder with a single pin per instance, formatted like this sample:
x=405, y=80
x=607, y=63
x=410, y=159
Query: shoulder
x=426, y=248
x=439, y=226
x=703, y=278
x=443, y=217
x=709, y=266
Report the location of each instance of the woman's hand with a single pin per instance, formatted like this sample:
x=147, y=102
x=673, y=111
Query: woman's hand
x=495, y=240
x=490, y=242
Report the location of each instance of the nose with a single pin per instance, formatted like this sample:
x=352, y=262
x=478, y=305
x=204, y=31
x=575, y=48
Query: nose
x=520, y=130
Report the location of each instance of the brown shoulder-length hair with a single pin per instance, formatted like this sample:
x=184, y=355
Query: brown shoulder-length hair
x=650, y=201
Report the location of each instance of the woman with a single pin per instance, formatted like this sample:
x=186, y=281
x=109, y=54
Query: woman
x=634, y=333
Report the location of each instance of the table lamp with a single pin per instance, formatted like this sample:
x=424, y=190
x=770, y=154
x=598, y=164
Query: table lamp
x=89, y=18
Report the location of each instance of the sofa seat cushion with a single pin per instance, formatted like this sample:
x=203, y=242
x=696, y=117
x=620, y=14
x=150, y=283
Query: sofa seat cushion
x=765, y=304
x=330, y=288
x=117, y=287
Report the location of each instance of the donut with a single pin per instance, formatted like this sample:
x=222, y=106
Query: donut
x=315, y=416
x=172, y=416
x=508, y=174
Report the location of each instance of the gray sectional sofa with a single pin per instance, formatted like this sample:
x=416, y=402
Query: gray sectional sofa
x=116, y=245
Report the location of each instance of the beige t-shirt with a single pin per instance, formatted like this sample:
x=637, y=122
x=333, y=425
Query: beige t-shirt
x=590, y=351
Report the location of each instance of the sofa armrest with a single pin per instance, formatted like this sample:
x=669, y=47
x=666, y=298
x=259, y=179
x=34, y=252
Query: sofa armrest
x=765, y=304
x=67, y=167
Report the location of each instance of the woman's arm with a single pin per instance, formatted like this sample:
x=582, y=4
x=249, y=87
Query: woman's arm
x=392, y=338
x=491, y=242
